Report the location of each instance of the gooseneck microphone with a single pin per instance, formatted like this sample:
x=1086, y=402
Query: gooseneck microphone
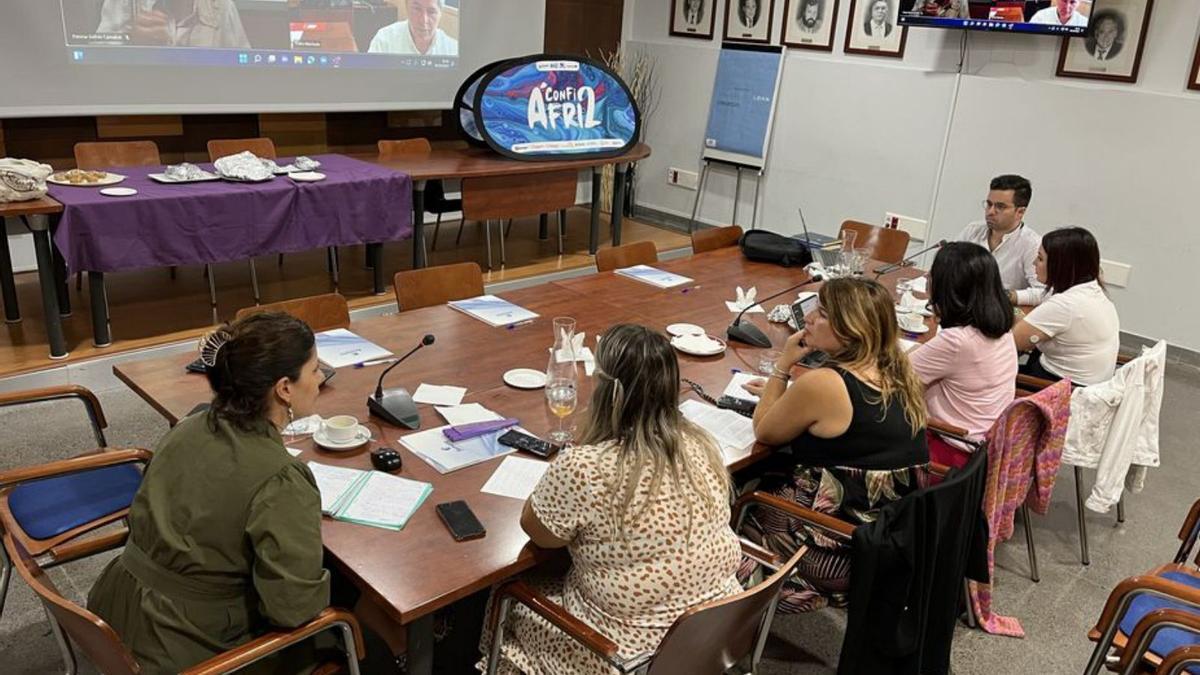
x=886, y=269
x=750, y=334
x=395, y=406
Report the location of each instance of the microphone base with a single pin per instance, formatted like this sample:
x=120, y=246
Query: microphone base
x=396, y=408
x=747, y=333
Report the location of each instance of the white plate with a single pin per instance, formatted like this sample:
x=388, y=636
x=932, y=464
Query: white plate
x=525, y=378
x=307, y=176
x=712, y=352
x=233, y=179
x=164, y=178
x=118, y=192
x=923, y=311
x=678, y=329
x=109, y=179
x=924, y=329
x=361, y=436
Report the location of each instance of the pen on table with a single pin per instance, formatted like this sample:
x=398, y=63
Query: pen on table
x=376, y=362
x=735, y=371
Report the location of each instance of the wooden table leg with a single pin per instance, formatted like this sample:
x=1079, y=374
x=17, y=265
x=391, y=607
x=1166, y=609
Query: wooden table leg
x=8, y=284
x=419, y=260
x=39, y=226
x=618, y=201
x=594, y=234
x=101, y=337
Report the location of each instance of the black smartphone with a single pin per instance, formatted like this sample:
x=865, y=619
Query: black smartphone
x=802, y=308
x=515, y=439
x=461, y=522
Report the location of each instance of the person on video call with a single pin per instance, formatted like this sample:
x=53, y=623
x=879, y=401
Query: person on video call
x=177, y=23
x=748, y=13
x=693, y=12
x=1107, y=36
x=949, y=8
x=877, y=24
x=808, y=19
x=1061, y=13
x=419, y=34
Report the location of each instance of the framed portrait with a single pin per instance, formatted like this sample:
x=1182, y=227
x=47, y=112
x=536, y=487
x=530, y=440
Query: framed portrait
x=1194, y=78
x=810, y=24
x=1112, y=48
x=749, y=20
x=872, y=30
x=693, y=18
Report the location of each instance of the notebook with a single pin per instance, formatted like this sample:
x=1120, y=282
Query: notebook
x=340, y=347
x=370, y=498
x=652, y=276
x=493, y=310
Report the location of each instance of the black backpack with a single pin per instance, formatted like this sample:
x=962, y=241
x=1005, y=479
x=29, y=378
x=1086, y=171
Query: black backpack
x=768, y=247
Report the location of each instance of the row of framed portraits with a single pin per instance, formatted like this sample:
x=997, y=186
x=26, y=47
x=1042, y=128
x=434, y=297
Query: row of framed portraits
x=1112, y=50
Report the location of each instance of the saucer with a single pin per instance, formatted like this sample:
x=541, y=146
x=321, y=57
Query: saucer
x=306, y=176
x=922, y=330
x=683, y=344
x=678, y=329
x=525, y=378
x=361, y=436
x=922, y=310
x=118, y=192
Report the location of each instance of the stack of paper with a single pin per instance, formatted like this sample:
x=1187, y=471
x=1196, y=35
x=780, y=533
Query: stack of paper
x=493, y=310
x=733, y=432
x=439, y=394
x=340, y=347
x=466, y=413
x=652, y=276
x=369, y=498
x=516, y=477
x=433, y=447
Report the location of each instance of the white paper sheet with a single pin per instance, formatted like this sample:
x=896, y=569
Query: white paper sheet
x=734, y=388
x=515, y=477
x=385, y=500
x=735, y=308
x=333, y=482
x=733, y=432
x=466, y=413
x=294, y=452
x=439, y=394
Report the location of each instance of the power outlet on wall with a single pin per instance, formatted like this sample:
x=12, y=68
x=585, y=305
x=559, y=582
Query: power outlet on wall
x=684, y=179
x=916, y=228
x=1115, y=273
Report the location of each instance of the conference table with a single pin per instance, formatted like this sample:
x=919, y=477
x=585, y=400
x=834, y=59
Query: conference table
x=41, y=217
x=411, y=573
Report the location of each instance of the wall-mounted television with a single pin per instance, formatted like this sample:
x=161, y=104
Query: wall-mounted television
x=1046, y=17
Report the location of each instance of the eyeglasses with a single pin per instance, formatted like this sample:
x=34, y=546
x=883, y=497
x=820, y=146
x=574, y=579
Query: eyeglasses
x=1000, y=207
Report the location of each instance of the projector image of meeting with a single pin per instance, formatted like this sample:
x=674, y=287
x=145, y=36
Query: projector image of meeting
x=1049, y=17
x=278, y=33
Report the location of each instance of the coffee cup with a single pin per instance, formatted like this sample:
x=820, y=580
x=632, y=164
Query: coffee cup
x=910, y=322
x=340, y=428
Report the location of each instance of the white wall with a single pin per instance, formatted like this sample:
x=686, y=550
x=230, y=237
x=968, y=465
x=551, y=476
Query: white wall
x=856, y=136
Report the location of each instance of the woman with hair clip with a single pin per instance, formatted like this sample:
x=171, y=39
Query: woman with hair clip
x=642, y=504
x=1075, y=332
x=848, y=436
x=225, y=530
x=968, y=368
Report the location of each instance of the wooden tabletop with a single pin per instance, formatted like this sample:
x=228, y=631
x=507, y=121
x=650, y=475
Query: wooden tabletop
x=33, y=207
x=420, y=569
x=478, y=162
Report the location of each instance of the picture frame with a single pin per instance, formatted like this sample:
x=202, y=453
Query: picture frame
x=860, y=39
x=1194, y=78
x=693, y=18
x=810, y=24
x=741, y=26
x=1112, y=49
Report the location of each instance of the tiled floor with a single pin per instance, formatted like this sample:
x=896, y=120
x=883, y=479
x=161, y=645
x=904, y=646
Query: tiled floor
x=1056, y=613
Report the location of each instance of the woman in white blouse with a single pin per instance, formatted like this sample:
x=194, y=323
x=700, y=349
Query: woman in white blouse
x=1075, y=332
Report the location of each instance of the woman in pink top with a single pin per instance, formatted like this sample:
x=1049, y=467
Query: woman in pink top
x=970, y=366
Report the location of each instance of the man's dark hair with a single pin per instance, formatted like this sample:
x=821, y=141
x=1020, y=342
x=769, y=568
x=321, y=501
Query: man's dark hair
x=1072, y=258
x=261, y=349
x=965, y=289
x=1021, y=187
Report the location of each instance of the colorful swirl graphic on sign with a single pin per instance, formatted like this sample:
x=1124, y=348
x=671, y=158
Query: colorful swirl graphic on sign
x=547, y=106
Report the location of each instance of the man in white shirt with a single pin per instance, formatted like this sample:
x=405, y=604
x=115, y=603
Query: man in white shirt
x=419, y=34
x=1063, y=13
x=175, y=23
x=1012, y=243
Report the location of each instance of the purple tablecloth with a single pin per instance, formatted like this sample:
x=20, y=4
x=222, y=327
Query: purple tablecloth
x=220, y=221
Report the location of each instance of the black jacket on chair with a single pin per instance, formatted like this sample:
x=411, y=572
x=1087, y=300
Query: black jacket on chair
x=907, y=571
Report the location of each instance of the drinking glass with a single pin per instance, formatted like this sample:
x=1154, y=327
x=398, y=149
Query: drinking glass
x=849, y=255
x=561, y=397
x=767, y=361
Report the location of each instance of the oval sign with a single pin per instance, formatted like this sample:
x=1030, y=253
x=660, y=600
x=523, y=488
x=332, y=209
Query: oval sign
x=464, y=103
x=548, y=107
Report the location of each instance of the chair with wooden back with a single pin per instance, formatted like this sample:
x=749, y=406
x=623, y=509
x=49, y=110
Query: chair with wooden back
x=713, y=238
x=438, y=285
x=884, y=245
x=320, y=312
x=628, y=255
x=506, y=197
x=223, y=147
x=435, y=190
x=710, y=638
x=108, y=154
x=98, y=641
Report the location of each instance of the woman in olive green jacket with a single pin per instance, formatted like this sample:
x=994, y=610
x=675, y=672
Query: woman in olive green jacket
x=225, y=531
